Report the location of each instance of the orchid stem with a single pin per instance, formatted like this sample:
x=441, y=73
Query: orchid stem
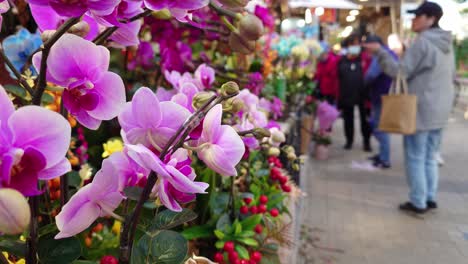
x=233, y=201
x=31, y=243
x=17, y=74
x=228, y=24
x=64, y=178
x=41, y=83
x=221, y=10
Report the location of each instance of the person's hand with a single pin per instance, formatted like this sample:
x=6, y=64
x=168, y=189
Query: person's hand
x=372, y=47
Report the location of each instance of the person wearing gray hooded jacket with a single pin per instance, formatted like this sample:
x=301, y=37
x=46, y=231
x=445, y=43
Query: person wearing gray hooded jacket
x=429, y=66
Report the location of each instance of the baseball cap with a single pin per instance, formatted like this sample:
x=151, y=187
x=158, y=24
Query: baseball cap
x=372, y=38
x=430, y=9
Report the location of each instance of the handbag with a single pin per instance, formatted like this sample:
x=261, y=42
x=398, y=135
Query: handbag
x=399, y=108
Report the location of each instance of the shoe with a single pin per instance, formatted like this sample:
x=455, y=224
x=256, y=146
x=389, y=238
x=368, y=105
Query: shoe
x=409, y=207
x=382, y=165
x=348, y=146
x=374, y=158
x=431, y=205
x=367, y=148
x=439, y=159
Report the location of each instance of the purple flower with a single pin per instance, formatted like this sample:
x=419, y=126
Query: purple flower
x=33, y=145
x=176, y=178
x=4, y=6
x=185, y=96
x=78, y=8
x=144, y=57
x=179, y=8
x=126, y=9
x=165, y=95
x=277, y=107
x=219, y=146
x=47, y=19
x=147, y=121
x=205, y=75
x=327, y=115
x=264, y=14
x=92, y=93
x=129, y=173
x=97, y=199
x=127, y=35
x=175, y=55
x=256, y=83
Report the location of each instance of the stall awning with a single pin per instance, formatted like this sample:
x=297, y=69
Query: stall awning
x=338, y=4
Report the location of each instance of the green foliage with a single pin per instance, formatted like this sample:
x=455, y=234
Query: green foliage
x=197, y=232
x=165, y=247
x=61, y=251
x=168, y=219
x=12, y=246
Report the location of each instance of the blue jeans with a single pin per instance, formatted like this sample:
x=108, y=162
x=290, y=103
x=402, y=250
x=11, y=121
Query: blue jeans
x=382, y=137
x=422, y=171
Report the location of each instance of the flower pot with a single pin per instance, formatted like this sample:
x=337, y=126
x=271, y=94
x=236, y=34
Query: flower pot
x=321, y=152
x=306, y=132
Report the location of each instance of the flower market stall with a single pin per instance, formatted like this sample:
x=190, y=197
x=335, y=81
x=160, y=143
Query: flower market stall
x=149, y=131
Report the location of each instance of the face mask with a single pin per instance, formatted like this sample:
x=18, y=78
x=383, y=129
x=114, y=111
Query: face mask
x=344, y=51
x=354, y=50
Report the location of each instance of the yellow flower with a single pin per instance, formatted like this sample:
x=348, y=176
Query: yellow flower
x=116, y=227
x=112, y=145
x=20, y=261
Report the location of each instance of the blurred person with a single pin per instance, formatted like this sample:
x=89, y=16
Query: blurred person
x=352, y=92
x=379, y=84
x=326, y=76
x=429, y=66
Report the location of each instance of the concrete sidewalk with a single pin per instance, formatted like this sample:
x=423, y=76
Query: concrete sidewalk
x=353, y=213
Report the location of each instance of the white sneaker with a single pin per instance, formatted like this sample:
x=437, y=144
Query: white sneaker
x=439, y=159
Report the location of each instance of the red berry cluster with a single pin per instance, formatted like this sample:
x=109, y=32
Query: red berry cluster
x=277, y=175
x=109, y=260
x=233, y=256
x=257, y=209
x=275, y=161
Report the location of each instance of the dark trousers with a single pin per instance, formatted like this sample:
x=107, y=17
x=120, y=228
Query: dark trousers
x=348, y=117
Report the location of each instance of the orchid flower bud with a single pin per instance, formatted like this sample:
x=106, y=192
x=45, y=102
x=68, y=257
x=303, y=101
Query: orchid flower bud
x=230, y=89
x=251, y=27
x=80, y=29
x=291, y=156
x=261, y=133
x=15, y=214
x=273, y=151
x=201, y=98
x=241, y=44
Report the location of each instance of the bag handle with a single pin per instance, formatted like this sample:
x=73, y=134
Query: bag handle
x=400, y=85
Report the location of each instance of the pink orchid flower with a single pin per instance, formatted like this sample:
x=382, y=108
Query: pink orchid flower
x=33, y=145
x=47, y=19
x=147, y=121
x=97, y=199
x=219, y=146
x=205, y=76
x=78, y=8
x=92, y=93
x=176, y=178
x=179, y=8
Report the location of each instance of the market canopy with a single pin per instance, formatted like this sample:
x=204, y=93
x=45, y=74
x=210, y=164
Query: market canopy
x=338, y=4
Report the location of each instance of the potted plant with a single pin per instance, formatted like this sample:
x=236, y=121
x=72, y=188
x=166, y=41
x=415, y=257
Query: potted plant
x=322, y=141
